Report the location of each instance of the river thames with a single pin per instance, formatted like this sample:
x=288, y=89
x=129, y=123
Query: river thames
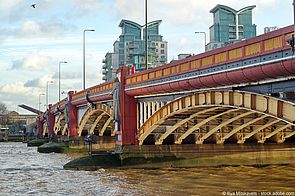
x=24, y=171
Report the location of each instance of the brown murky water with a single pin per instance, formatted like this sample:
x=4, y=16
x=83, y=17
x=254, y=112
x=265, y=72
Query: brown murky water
x=23, y=171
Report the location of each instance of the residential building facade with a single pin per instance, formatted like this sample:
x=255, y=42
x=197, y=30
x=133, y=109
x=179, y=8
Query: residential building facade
x=230, y=26
x=130, y=48
x=16, y=123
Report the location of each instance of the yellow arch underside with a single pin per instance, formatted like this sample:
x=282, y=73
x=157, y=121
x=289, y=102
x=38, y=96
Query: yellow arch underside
x=221, y=114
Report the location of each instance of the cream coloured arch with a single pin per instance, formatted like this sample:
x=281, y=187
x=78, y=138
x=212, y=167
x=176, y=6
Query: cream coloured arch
x=99, y=112
x=235, y=110
x=58, y=126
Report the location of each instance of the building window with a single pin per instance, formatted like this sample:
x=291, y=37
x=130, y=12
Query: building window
x=162, y=45
x=162, y=51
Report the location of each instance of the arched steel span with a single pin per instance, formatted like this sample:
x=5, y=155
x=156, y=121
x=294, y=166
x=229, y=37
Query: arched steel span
x=220, y=116
x=98, y=117
x=45, y=129
x=60, y=127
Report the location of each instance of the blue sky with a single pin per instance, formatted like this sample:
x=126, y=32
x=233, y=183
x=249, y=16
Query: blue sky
x=33, y=41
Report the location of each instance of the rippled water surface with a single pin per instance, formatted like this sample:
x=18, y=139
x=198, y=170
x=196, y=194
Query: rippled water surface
x=23, y=171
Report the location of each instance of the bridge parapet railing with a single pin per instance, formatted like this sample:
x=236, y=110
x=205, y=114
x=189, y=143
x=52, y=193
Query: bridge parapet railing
x=95, y=90
x=59, y=104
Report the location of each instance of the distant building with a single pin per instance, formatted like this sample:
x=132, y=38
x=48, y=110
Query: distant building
x=111, y=63
x=16, y=123
x=129, y=49
x=230, y=26
x=269, y=29
x=183, y=56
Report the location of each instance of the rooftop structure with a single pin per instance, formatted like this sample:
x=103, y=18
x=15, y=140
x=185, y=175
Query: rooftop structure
x=129, y=49
x=230, y=26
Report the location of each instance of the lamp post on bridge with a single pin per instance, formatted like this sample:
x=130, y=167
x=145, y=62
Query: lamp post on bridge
x=59, y=78
x=294, y=13
x=84, y=72
x=205, y=39
x=47, y=89
x=146, y=36
x=39, y=103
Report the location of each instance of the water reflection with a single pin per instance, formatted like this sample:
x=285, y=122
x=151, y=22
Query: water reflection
x=23, y=171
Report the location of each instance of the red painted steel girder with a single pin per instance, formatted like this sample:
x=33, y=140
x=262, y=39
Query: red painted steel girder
x=235, y=77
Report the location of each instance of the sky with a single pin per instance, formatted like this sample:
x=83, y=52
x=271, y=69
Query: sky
x=34, y=40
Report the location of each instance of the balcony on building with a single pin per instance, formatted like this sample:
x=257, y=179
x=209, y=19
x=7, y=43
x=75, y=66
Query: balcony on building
x=132, y=46
x=104, y=71
x=104, y=66
x=152, y=47
x=104, y=78
x=104, y=61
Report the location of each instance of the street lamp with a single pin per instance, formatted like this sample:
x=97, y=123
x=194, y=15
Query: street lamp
x=59, y=78
x=202, y=32
x=39, y=103
x=47, y=89
x=294, y=13
x=84, y=72
x=146, y=36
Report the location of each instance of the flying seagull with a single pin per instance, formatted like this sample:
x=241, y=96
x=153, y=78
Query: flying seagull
x=33, y=5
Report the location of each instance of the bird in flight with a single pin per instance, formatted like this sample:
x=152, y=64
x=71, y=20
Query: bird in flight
x=33, y=5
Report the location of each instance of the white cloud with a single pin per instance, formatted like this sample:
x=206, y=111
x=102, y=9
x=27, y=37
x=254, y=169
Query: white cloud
x=87, y=5
x=16, y=93
x=179, y=12
x=67, y=75
x=29, y=29
x=6, y=6
x=15, y=88
x=131, y=10
x=49, y=28
x=38, y=82
x=33, y=62
x=82, y=8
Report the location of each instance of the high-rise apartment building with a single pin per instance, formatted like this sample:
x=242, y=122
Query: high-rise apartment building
x=129, y=49
x=230, y=26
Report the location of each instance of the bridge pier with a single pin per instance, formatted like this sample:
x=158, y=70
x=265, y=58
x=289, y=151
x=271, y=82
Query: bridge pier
x=40, y=126
x=128, y=110
x=71, y=116
x=50, y=121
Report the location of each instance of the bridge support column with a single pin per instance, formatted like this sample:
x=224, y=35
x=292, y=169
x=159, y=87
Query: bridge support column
x=149, y=109
x=71, y=116
x=39, y=127
x=141, y=112
x=153, y=107
x=158, y=104
x=128, y=110
x=51, y=120
x=144, y=112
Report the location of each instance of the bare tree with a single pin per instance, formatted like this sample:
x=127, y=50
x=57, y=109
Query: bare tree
x=3, y=109
x=3, y=114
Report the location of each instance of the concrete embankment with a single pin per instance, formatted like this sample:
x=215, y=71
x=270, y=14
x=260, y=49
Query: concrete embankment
x=11, y=138
x=187, y=156
x=37, y=142
x=77, y=146
x=53, y=147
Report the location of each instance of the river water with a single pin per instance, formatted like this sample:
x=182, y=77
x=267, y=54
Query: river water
x=24, y=171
